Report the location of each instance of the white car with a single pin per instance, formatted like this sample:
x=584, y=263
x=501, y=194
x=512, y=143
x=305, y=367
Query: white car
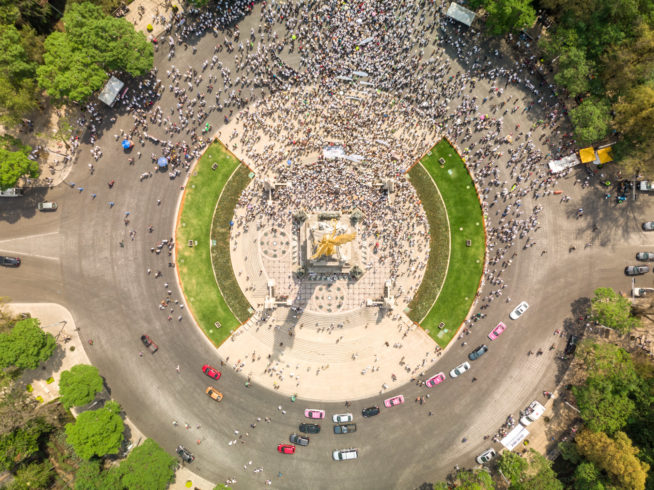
x=341, y=418
x=486, y=456
x=343, y=454
x=534, y=411
x=459, y=370
x=519, y=310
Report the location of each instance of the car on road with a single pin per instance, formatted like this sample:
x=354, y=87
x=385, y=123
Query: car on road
x=519, y=310
x=533, y=413
x=648, y=226
x=345, y=428
x=312, y=413
x=286, y=448
x=47, y=206
x=299, y=440
x=214, y=393
x=435, y=380
x=149, y=343
x=571, y=346
x=459, y=370
x=341, y=418
x=395, y=400
x=370, y=411
x=497, y=331
x=486, y=456
x=636, y=270
x=309, y=428
x=185, y=454
x=345, y=454
x=211, y=372
x=478, y=352
x=9, y=261
x=645, y=256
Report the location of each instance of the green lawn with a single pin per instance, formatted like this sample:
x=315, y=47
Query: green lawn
x=466, y=223
x=200, y=288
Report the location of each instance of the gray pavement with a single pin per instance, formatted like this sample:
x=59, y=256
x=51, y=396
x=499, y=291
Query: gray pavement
x=113, y=301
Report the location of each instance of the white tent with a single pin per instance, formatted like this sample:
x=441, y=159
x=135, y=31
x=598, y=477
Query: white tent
x=557, y=166
x=462, y=14
x=515, y=437
x=110, y=91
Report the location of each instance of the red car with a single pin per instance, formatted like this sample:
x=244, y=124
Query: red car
x=286, y=448
x=434, y=380
x=211, y=372
x=396, y=400
x=497, y=331
x=313, y=413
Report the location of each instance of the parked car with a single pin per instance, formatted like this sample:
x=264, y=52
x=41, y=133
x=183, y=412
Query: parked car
x=47, y=206
x=211, y=372
x=478, y=352
x=341, y=418
x=645, y=256
x=345, y=454
x=396, y=400
x=299, y=440
x=519, y=310
x=345, y=428
x=459, y=370
x=370, y=411
x=286, y=448
x=636, y=270
x=571, y=346
x=312, y=413
x=147, y=341
x=497, y=331
x=214, y=393
x=486, y=456
x=648, y=225
x=309, y=428
x=533, y=413
x=185, y=454
x=9, y=261
x=435, y=380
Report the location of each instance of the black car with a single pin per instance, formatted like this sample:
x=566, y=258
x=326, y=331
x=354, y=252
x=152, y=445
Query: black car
x=345, y=428
x=299, y=440
x=185, y=454
x=478, y=352
x=9, y=261
x=309, y=428
x=370, y=411
x=571, y=346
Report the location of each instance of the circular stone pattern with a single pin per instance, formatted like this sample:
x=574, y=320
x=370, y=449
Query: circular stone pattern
x=274, y=243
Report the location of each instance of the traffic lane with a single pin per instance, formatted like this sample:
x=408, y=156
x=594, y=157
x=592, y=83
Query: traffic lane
x=14, y=209
x=37, y=279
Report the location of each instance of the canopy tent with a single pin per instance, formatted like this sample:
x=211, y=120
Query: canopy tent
x=127, y=144
x=162, y=162
x=462, y=14
x=515, y=437
x=597, y=157
x=110, y=91
x=560, y=165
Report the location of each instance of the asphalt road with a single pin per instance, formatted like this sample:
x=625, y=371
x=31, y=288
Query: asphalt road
x=73, y=257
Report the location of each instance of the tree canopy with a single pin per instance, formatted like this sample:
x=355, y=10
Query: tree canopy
x=97, y=432
x=26, y=345
x=79, y=385
x=76, y=61
x=591, y=120
x=512, y=465
x=509, y=15
x=147, y=466
x=14, y=165
x=613, y=310
x=23, y=442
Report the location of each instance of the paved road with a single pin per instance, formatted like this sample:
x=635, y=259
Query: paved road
x=73, y=257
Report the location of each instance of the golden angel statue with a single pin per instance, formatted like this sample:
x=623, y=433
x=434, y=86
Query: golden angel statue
x=328, y=243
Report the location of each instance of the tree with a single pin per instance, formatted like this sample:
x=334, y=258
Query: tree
x=22, y=443
x=474, y=480
x=539, y=476
x=147, y=466
x=76, y=61
x=509, y=15
x=79, y=386
x=26, y=345
x=512, y=465
x=613, y=310
x=616, y=456
x=591, y=120
x=587, y=477
x=14, y=165
x=96, y=432
x=574, y=71
x=36, y=475
x=89, y=476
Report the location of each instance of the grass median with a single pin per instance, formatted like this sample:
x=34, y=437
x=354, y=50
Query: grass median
x=211, y=298
x=466, y=223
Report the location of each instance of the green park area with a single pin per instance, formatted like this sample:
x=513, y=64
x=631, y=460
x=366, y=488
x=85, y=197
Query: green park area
x=456, y=223
x=211, y=195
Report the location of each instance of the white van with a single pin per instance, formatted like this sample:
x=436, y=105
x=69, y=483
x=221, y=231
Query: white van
x=343, y=454
x=534, y=411
x=11, y=192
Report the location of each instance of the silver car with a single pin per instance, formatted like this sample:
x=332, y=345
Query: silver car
x=645, y=256
x=486, y=456
x=636, y=270
x=648, y=226
x=459, y=370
